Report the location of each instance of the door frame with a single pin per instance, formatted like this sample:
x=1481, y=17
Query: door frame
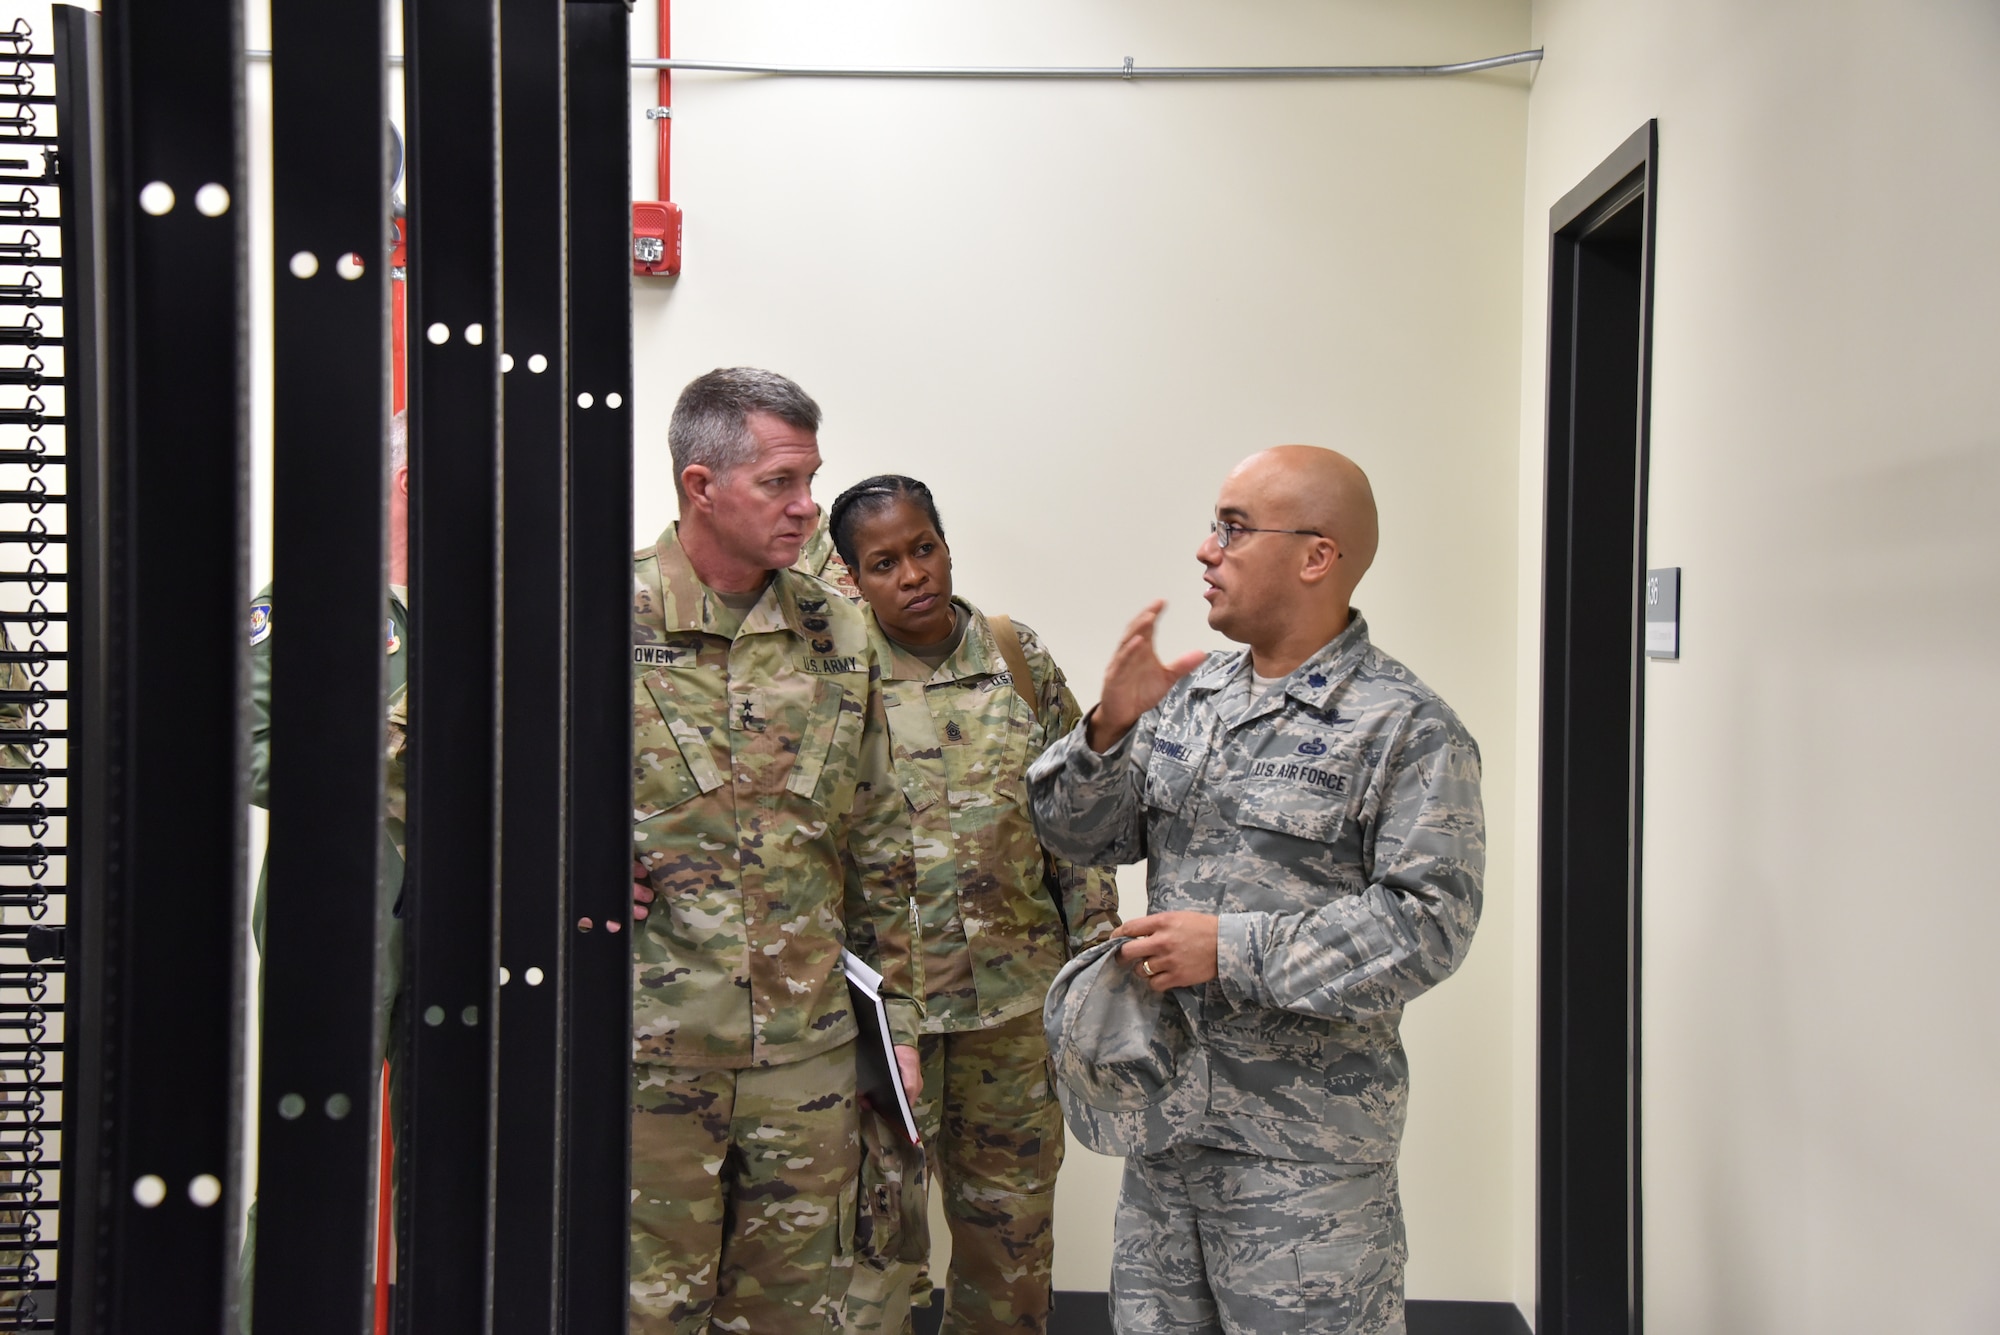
x=1582, y=989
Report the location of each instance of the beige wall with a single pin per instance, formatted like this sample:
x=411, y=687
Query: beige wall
x=1822, y=1055
x=1070, y=308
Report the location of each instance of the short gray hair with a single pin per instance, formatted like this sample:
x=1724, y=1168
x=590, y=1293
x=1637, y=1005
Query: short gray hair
x=399, y=440
x=711, y=423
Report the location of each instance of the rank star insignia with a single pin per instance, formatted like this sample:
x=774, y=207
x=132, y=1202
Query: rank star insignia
x=1316, y=680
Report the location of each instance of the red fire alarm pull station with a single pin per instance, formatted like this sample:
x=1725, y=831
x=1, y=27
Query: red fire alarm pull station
x=656, y=224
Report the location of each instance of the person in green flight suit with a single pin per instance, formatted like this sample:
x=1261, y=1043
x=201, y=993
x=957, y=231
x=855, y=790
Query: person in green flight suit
x=971, y=701
x=396, y=644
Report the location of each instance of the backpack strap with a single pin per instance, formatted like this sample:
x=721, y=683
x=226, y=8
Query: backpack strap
x=1017, y=660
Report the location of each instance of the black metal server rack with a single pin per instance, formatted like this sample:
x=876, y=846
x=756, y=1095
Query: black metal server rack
x=123, y=534
x=35, y=470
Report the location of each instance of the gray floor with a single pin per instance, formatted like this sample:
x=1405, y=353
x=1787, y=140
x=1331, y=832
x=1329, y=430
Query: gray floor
x=1081, y=1313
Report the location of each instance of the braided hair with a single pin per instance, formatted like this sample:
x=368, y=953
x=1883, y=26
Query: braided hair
x=872, y=496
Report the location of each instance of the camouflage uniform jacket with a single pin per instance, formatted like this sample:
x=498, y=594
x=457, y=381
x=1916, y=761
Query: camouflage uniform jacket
x=13, y=714
x=396, y=644
x=767, y=816
x=1335, y=828
x=991, y=937
x=818, y=557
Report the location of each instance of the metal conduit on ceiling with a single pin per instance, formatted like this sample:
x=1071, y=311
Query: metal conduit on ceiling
x=1127, y=71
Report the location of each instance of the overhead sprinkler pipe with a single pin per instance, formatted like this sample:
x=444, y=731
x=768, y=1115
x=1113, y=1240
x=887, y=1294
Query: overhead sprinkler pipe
x=666, y=103
x=656, y=223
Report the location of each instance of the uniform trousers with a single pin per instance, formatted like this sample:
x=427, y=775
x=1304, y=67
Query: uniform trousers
x=1209, y=1240
x=743, y=1196
x=993, y=1138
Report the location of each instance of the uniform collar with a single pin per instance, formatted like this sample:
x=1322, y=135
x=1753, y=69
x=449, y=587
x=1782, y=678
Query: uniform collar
x=693, y=604
x=977, y=655
x=1311, y=683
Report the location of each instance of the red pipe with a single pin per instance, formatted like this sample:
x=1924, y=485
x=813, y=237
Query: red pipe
x=667, y=102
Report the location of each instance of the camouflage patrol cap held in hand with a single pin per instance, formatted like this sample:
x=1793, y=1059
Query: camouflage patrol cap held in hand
x=1130, y=1069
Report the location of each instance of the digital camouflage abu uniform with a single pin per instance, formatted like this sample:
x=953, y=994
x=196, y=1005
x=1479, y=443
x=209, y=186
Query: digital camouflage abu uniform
x=992, y=940
x=768, y=820
x=1334, y=825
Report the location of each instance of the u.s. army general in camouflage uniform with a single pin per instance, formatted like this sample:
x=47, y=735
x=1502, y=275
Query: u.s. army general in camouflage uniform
x=766, y=821
x=991, y=941
x=1328, y=830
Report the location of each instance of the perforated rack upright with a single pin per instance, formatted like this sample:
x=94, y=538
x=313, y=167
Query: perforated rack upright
x=34, y=679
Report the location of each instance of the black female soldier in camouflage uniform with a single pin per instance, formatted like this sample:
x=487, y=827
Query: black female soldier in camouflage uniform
x=998, y=916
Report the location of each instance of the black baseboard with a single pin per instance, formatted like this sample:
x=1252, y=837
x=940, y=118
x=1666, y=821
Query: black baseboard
x=1079, y=1312
x=1432, y=1316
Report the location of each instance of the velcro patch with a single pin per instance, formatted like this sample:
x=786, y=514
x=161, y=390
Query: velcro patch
x=1310, y=775
x=661, y=655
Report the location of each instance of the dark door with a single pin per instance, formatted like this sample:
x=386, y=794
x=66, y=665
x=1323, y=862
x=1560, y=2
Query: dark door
x=1600, y=308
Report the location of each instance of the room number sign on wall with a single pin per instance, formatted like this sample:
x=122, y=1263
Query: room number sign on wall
x=1663, y=613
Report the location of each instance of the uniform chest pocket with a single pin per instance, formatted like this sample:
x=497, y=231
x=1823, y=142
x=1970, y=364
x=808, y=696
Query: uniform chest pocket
x=1302, y=808
x=671, y=760
x=914, y=745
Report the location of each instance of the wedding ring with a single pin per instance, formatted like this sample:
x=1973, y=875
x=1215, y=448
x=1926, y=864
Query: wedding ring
x=1146, y=967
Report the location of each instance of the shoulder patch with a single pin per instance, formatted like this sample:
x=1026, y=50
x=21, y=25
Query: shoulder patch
x=395, y=641
x=260, y=623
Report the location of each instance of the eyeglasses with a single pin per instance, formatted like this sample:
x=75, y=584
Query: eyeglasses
x=1225, y=532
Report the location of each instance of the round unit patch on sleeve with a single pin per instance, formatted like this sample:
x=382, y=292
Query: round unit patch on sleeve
x=260, y=622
